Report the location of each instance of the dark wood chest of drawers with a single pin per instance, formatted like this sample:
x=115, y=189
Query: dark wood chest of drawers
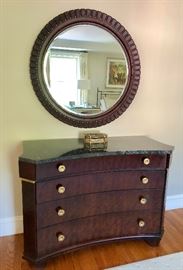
x=73, y=198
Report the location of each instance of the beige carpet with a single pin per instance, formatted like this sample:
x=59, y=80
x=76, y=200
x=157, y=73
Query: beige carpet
x=167, y=262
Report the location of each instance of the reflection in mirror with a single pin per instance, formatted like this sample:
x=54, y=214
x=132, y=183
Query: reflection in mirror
x=85, y=70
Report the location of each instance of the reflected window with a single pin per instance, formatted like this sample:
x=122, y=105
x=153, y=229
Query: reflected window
x=64, y=70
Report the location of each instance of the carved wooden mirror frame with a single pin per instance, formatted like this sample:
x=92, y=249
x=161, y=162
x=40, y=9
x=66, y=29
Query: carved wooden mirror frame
x=46, y=36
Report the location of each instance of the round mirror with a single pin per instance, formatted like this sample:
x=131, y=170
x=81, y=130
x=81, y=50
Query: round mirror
x=85, y=68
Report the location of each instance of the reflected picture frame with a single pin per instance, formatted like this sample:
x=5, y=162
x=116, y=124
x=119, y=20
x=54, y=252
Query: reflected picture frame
x=117, y=72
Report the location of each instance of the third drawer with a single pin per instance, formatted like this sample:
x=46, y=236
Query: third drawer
x=96, y=204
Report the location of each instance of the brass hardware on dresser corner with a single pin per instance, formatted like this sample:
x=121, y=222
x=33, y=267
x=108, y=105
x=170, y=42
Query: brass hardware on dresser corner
x=61, y=189
x=145, y=180
x=60, y=212
x=61, y=168
x=143, y=200
x=141, y=223
x=60, y=237
x=28, y=181
x=146, y=161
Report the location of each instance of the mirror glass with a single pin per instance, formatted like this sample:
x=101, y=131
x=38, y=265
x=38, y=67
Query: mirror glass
x=85, y=70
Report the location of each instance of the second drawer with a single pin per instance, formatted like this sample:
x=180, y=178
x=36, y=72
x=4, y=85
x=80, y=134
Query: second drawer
x=99, y=182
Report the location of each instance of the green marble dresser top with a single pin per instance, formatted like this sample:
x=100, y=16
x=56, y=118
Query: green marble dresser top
x=37, y=151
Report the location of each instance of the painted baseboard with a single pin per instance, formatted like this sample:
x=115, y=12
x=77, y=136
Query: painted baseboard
x=10, y=226
x=14, y=225
x=174, y=202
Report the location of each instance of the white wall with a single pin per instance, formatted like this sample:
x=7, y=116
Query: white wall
x=156, y=111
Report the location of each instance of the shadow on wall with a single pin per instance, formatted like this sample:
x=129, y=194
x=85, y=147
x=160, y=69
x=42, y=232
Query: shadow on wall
x=11, y=221
x=15, y=189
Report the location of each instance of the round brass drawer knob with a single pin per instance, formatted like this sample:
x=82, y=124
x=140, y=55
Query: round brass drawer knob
x=61, y=168
x=145, y=180
x=143, y=200
x=141, y=223
x=61, y=189
x=61, y=212
x=60, y=237
x=146, y=161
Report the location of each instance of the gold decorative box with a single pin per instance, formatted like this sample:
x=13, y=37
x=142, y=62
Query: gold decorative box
x=95, y=141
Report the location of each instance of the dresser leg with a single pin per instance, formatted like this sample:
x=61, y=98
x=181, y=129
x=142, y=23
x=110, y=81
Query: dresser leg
x=153, y=241
x=37, y=266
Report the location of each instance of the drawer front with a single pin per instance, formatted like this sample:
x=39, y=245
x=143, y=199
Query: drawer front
x=97, y=229
x=96, y=204
x=92, y=183
x=100, y=164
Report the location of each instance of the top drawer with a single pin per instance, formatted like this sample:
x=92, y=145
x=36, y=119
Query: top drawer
x=92, y=164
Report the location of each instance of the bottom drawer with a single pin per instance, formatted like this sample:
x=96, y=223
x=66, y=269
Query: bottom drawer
x=95, y=229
